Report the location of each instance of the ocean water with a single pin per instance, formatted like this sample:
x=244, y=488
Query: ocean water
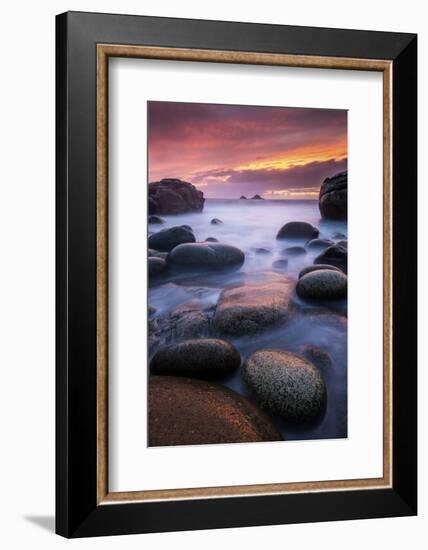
x=250, y=224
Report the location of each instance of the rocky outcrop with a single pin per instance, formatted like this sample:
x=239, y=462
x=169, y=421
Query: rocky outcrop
x=173, y=196
x=184, y=411
x=197, y=358
x=286, y=384
x=257, y=197
x=252, y=308
x=167, y=239
x=297, y=230
x=243, y=197
x=206, y=255
x=333, y=197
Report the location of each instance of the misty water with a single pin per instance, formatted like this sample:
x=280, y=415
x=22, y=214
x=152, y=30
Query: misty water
x=251, y=224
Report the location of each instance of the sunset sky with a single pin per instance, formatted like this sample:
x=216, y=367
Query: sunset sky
x=227, y=151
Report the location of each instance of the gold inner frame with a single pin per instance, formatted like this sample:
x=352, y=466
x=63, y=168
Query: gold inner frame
x=104, y=52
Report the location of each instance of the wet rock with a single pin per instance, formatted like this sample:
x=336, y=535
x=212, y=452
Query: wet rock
x=262, y=251
x=206, y=255
x=156, y=266
x=297, y=230
x=187, y=227
x=197, y=358
x=173, y=196
x=251, y=308
x=318, y=244
x=216, y=221
x=293, y=251
x=333, y=197
x=156, y=219
x=286, y=384
x=152, y=310
x=211, y=240
x=156, y=254
x=187, y=321
x=280, y=265
x=166, y=239
x=319, y=357
x=317, y=267
x=338, y=235
x=184, y=411
x=257, y=197
x=334, y=255
x=243, y=197
x=322, y=284
x=344, y=244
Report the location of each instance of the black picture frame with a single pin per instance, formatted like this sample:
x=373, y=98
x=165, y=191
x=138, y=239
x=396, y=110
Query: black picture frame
x=77, y=511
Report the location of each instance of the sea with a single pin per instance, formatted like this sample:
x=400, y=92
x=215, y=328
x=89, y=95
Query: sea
x=252, y=224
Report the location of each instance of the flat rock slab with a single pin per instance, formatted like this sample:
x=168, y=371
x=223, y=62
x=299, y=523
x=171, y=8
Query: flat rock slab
x=252, y=308
x=184, y=411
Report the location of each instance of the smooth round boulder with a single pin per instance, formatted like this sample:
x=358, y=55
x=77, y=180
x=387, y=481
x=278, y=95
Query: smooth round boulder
x=252, y=308
x=293, y=251
x=185, y=411
x=334, y=255
x=261, y=251
x=286, y=384
x=166, y=239
x=197, y=358
x=156, y=266
x=317, y=267
x=338, y=235
x=280, y=265
x=211, y=240
x=333, y=197
x=297, y=230
x=318, y=244
x=319, y=357
x=206, y=255
x=216, y=221
x=322, y=284
x=343, y=244
x=156, y=219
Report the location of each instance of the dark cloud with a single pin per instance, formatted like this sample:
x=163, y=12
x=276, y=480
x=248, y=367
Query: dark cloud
x=231, y=182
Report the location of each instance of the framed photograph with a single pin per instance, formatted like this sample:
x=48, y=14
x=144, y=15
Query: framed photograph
x=236, y=274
